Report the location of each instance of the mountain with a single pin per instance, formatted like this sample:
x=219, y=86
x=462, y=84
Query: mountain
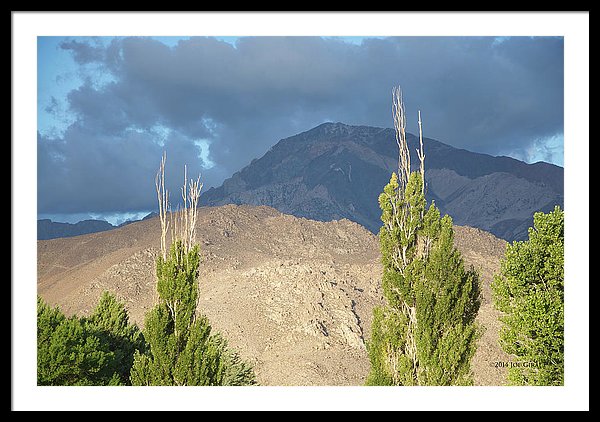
x=294, y=296
x=336, y=171
x=48, y=229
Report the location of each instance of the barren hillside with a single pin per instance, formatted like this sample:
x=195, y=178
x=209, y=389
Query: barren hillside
x=294, y=296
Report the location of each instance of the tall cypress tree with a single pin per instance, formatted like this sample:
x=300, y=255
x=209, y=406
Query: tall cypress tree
x=182, y=350
x=425, y=334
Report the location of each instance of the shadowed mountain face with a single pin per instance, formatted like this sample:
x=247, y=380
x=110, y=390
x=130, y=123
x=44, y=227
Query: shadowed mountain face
x=337, y=171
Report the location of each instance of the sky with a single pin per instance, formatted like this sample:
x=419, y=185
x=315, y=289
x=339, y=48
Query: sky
x=109, y=106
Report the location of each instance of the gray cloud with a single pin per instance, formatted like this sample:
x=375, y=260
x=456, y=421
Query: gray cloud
x=473, y=93
x=84, y=52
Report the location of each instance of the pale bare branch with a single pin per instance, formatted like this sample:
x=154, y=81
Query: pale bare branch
x=188, y=215
x=183, y=221
x=421, y=154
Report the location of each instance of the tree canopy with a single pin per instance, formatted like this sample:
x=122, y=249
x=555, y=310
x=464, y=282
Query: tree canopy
x=530, y=292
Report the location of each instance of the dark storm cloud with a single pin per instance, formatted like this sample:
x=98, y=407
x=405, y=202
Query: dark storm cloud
x=474, y=93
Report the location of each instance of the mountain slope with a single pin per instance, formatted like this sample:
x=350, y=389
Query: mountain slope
x=294, y=296
x=337, y=171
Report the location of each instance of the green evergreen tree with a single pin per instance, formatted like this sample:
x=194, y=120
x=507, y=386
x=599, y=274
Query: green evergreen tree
x=97, y=350
x=530, y=292
x=182, y=350
x=426, y=333
x=69, y=353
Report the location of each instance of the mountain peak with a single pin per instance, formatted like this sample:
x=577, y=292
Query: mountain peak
x=330, y=129
x=339, y=129
x=336, y=171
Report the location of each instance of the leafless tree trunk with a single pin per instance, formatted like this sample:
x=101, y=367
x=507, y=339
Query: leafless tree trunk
x=399, y=116
x=163, y=204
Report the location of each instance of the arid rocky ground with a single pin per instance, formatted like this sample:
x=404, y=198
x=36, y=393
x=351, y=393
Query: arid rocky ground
x=294, y=296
